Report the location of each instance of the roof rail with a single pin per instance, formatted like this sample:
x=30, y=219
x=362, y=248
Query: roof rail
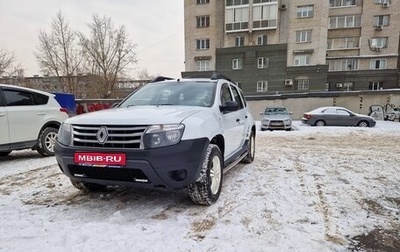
x=161, y=78
x=216, y=76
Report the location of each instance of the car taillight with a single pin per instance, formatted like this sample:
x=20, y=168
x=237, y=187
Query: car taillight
x=307, y=116
x=64, y=110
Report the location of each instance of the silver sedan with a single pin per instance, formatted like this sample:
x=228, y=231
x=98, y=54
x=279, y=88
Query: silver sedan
x=276, y=118
x=336, y=116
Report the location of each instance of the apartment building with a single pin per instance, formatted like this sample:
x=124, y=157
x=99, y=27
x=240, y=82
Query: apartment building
x=280, y=46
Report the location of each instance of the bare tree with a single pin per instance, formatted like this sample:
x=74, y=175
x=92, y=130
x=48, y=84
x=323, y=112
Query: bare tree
x=7, y=64
x=58, y=53
x=108, y=51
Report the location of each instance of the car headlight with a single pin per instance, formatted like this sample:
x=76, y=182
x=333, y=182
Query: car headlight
x=287, y=120
x=157, y=136
x=64, y=134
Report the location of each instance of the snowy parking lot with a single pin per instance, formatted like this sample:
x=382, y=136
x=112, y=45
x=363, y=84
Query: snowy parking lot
x=310, y=189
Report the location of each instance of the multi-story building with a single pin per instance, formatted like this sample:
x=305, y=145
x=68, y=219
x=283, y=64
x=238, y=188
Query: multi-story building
x=271, y=46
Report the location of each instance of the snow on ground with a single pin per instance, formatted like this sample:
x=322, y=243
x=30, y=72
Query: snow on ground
x=311, y=189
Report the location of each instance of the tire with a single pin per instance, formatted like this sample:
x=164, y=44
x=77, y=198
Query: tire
x=88, y=187
x=320, y=123
x=46, y=141
x=207, y=188
x=4, y=153
x=251, y=149
x=363, y=124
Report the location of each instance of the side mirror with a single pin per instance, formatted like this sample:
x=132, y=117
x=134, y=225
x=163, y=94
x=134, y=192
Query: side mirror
x=229, y=106
x=261, y=113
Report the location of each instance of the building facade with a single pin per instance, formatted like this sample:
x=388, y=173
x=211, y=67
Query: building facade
x=278, y=46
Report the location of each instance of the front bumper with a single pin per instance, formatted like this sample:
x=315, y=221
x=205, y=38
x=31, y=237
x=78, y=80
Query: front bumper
x=171, y=167
x=276, y=125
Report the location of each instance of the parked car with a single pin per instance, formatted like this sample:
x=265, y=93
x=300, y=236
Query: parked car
x=170, y=134
x=276, y=118
x=336, y=116
x=29, y=118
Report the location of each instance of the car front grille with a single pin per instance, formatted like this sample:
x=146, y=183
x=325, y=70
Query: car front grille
x=111, y=136
x=112, y=174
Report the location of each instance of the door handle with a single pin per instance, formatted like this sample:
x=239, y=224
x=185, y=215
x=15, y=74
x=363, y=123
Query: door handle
x=40, y=113
x=2, y=114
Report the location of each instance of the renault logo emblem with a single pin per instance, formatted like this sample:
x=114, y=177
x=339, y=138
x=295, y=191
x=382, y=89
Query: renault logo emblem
x=102, y=135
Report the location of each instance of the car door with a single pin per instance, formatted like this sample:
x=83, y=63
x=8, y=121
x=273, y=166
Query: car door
x=24, y=117
x=329, y=115
x=233, y=123
x=345, y=118
x=4, y=129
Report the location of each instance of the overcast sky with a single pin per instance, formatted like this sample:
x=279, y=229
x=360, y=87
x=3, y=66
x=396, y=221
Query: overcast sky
x=156, y=26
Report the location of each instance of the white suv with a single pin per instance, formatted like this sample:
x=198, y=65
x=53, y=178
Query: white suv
x=28, y=119
x=169, y=134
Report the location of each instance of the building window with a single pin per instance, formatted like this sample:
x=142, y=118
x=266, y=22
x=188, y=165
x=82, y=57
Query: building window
x=344, y=43
x=239, y=41
x=378, y=43
x=382, y=1
x=203, y=1
x=377, y=64
x=202, y=44
x=305, y=11
x=236, y=2
x=237, y=64
x=262, y=39
x=265, y=16
x=264, y=1
x=203, y=21
x=236, y=18
x=263, y=62
x=382, y=20
x=202, y=65
x=375, y=85
x=303, y=84
x=302, y=60
x=262, y=86
x=340, y=3
x=344, y=21
x=343, y=65
x=303, y=36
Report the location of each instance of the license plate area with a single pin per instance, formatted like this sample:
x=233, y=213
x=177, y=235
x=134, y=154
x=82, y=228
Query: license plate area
x=100, y=159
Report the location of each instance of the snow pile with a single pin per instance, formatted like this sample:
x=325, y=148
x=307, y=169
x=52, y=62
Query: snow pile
x=311, y=189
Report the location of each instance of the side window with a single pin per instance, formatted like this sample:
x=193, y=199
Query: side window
x=238, y=99
x=40, y=99
x=18, y=98
x=1, y=98
x=225, y=94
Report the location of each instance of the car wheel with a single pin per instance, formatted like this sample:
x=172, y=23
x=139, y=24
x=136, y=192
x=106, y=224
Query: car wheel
x=46, y=141
x=319, y=123
x=83, y=186
x=207, y=188
x=251, y=149
x=4, y=153
x=363, y=124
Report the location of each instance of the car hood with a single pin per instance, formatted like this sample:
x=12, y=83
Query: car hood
x=144, y=115
x=276, y=117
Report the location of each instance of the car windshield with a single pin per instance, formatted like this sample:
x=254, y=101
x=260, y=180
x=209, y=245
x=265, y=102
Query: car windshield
x=276, y=111
x=173, y=93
